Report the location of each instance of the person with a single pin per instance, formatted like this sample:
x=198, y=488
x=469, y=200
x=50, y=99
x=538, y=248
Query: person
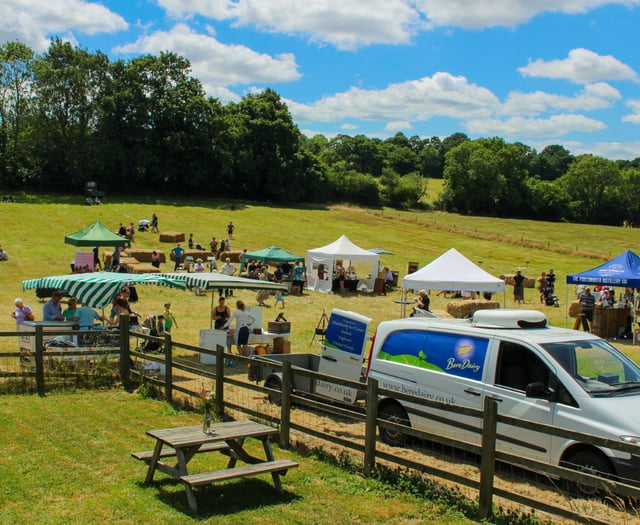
x=169, y=318
x=155, y=259
x=52, y=311
x=97, y=265
x=279, y=299
x=22, y=312
x=262, y=295
x=542, y=286
x=518, y=287
x=213, y=244
x=122, y=230
x=230, y=228
x=340, y=277
x=608, y=300
x=586, y=306
x=115, y=259
x=198, y=268
x=71, y=311
x=131, y=232
x=190, y=241
x=221, y=314
x=551, y=280
x=121, y=305
x=177, y=252
x=243, y=320
x=388, y=278
x=4, y=256
x=278, y=274
x=160, y=325
x=422, y=301
x=154, y=223
x=228, y=268
x=85, y=316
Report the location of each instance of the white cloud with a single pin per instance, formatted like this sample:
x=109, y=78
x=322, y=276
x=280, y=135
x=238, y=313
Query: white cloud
x=592, y=97
x=581, y=66
x=349, y=126
x=554, y=126
x=215, y=64
x=491, y=13
x=398, y=125
x=440, y=95
x=34, y=21
x=346, y=25
x=634, y=117
x=610, y=150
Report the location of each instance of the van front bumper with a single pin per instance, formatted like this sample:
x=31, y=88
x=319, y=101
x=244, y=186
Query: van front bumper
x=628, y=470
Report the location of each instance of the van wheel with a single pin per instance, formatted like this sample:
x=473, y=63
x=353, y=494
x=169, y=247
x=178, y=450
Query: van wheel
x=591, y=463
x=395, y=413
x=276, y=384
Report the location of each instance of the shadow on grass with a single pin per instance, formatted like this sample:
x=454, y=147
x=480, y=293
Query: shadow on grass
x=223, y=499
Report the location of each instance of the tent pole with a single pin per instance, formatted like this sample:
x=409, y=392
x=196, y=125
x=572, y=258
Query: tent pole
x=213, y=293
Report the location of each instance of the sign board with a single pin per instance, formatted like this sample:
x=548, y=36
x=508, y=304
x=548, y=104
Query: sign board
x=343, y=354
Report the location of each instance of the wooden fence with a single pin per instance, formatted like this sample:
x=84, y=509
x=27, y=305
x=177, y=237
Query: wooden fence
x=366, y=413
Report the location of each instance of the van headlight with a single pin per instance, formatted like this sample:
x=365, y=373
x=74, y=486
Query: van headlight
x=634, y=440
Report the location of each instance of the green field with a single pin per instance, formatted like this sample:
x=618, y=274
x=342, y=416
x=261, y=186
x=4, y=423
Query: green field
x=34, y=229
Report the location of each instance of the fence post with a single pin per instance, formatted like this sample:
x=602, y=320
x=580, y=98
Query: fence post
x=125, y=354
x=285, y=404
x=168, y=373
x=220, y=380
x=487, y=458
x=371, y=426
x=39, y=342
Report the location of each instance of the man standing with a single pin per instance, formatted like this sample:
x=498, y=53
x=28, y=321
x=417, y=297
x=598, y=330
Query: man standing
x=586, y=303
x=227, y=269
x=230, y=228
x=551, y=280
x=52, y=311
x=177, y=252
x=22, y=312
x=85, y=317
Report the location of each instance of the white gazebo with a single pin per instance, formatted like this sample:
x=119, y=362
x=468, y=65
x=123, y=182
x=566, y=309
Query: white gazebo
x=321, y=263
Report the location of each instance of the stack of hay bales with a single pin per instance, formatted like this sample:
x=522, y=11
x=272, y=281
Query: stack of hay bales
x=464, y=309
x=234, y=256
x=172, y=237
x=575, y=308
x=145, y=255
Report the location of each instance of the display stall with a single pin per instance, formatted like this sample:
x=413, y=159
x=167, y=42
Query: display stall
x=622, y=271
x=454, y=272
x=271, y=254
x=322, y=262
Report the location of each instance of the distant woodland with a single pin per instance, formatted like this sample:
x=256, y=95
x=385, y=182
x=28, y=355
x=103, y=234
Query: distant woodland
x=146, y=126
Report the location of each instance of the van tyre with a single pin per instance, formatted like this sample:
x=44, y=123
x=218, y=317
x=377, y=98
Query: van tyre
x=395, y=413
x=591, y=463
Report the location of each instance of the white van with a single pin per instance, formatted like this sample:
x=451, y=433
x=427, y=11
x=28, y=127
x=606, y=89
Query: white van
x=569, y=379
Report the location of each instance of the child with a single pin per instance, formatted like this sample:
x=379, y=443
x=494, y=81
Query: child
x=279, y=299
x=169, y=318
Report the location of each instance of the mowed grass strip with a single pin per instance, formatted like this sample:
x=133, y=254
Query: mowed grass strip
x=66, y=458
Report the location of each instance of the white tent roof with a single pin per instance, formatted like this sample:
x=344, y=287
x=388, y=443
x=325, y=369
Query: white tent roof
x=453, y=271
x=345, y=249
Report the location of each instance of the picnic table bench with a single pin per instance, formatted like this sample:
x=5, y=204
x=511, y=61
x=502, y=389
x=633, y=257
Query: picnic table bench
x=228, y=438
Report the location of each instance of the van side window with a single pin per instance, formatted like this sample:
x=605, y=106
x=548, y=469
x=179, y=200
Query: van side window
x=518, y=366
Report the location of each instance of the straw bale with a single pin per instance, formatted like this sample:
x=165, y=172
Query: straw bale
x=530, y=282
x=234, y=256
x=464, y=309
x=508, y=279
x=145, y=255
x=575, y=309
x=143, y=268
x=172, y=237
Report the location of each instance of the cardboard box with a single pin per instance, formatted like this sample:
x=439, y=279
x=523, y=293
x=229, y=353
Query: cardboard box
x=279, y=327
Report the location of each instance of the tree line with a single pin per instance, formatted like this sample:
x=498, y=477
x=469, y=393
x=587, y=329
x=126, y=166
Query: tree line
x=146, y=126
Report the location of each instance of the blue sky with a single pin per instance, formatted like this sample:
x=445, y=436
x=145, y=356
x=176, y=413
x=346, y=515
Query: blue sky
x=536, y=71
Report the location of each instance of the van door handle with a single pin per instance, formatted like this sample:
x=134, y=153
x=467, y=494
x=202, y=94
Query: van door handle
x=473, y=391
x=329, y=358
x=494, y=398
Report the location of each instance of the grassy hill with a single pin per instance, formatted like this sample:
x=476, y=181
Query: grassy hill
x=33, y=231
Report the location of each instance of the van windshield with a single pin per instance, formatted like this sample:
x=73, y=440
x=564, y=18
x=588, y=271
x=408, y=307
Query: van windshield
x=598, y=367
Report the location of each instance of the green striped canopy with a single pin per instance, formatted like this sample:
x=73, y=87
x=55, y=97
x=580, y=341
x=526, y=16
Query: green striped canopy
x=214, y=281
x=97, y=289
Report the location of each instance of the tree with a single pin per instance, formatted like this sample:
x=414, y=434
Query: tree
x=552, y=162
x=16, y=76
x=591, y=184
x=360, y=153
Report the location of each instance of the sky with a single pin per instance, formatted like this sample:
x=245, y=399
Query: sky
x=536, y=71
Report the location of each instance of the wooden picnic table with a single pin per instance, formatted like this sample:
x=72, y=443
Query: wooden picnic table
x=228, y=438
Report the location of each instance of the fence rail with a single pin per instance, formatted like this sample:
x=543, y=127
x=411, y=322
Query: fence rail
x=181, y=374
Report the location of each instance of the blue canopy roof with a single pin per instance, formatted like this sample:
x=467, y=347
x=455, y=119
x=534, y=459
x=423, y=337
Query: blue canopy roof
x=624, y=270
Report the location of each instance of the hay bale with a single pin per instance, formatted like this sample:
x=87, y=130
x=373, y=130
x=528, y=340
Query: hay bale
x=196, y=254
x=530, y=282
x=145, y=255
x=575, y=308
x=143, y=268
x=508, y=279
x=172, y=237
x=464, y=309
x=234, y=256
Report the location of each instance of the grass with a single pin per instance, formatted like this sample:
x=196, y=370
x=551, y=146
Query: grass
x=34, y=229
x=66, y=459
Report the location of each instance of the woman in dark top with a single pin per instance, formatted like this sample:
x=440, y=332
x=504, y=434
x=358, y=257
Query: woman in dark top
x=220, y=314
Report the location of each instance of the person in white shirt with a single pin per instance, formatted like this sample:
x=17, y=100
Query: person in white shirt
x=228, y=268
x=243, y=320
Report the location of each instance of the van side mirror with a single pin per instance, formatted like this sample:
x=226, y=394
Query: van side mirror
x=539, y=391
